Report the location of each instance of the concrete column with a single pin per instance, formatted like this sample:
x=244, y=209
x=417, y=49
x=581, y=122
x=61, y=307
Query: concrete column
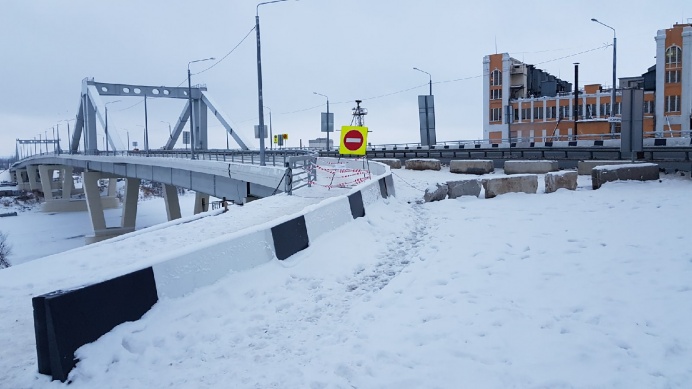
x=112, y=187
x=33, y=177
x=201, y=203
x=170, y=195
x=46, y=175
x=659, y=105
x=67, y=182
x=686, y=73
x=93, y=199
x=21, y=179
x=129, y=216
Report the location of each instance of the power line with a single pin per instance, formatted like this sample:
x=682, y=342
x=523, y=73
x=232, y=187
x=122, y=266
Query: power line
x=222, y=58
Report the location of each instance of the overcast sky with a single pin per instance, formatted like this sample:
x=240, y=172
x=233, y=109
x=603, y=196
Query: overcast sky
x=346, y=49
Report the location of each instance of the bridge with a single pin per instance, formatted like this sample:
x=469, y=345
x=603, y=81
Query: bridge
x=238, y=176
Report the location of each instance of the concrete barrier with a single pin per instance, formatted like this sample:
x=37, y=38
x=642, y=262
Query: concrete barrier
x=527, y=183
x=393, y=163
x=470, y=166
x=436, y=193
x=530, y=167
x=633, y=171
x=560, y=180
x=423, y=164
x=463, y=188
x=584, y=167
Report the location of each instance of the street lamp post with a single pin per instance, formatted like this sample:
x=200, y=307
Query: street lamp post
x=170, y=134
x=189, y=100
x=106, y=128
x=327, y=122
x=271, y=135
x=612, y=94
x=259, y=82
x=429, y=75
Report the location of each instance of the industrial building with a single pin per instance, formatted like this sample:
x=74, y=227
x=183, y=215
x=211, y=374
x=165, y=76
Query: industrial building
x=525, y=104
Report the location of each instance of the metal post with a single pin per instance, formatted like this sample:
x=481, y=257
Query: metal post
x=106, y=128
x=613, y=91
x=146, y=126
x=189, y=100
x=576, y=99
x=259, y=91
x=259, y=82
x=271, y=132
x=328, y=148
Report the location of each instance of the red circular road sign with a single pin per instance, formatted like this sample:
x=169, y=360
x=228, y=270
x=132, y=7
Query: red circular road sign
x=353, y=140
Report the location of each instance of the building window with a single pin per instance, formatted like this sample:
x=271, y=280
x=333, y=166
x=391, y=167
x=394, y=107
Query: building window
x=495, y=78
x=672, y=76
x=551, y=113
x=495, y=94
x=495, y=114
x=673, y=56
x=649, y=107
x=672, y=103
x=538, y=113
x=526, y=114
x=605, y=109
x=564, y=111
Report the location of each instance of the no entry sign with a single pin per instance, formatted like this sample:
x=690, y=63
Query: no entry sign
x=353, y=140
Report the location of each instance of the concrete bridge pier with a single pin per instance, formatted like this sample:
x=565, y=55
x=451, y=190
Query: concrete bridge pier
x=22, y=179
x=58, y=194
x=170, y=195
x=96, y=204
x=32, y=175
x=201, y=202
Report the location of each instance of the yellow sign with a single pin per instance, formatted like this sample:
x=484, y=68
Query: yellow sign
x=276, y=139
x=285, y=136
x=354, y=140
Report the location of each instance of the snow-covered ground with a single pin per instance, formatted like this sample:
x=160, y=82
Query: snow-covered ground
x=574, y=289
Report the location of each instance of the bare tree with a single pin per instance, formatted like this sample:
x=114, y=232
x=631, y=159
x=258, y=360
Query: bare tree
x=5, y=251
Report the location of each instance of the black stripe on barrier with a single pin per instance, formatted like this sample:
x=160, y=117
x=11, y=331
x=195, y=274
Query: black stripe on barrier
x=383, y=188
x=290, y=237
x=598, y=143
x=659, y=142
x=355, y=200
x=66, y=320
x=548, y=144
x=572, y=143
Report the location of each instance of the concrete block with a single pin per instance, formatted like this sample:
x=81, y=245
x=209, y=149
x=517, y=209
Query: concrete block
x=393, y=163
x=463, y=188
x=423, y=164
x=436, y=193
x=501, y=185
x=471, y=166
x=530, y=167
x=633, y=171
x=584, y=167
x=560, y=180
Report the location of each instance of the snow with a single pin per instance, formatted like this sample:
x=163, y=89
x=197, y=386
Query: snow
x=625, y=165
x=570, y=289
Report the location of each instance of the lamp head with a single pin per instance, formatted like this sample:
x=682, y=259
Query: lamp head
x=594, y=20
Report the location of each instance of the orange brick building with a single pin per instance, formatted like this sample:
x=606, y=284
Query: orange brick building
x=525, y=104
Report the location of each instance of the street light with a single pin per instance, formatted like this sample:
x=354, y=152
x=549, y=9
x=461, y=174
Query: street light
x=271, y=135
x=170, y=134
x=69, y=140
x=429, y=75
x=106, y=128
x=189, y=100
x=327, y=121
x=259, y=82
x=612, y=94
